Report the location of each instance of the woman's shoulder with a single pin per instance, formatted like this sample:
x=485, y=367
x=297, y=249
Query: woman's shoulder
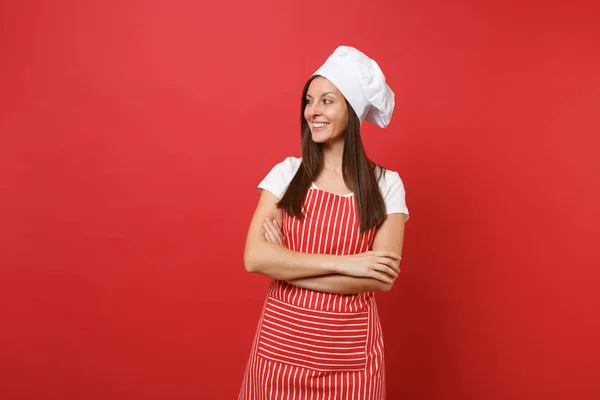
x=288, y=166
x=277, y=180
x=392, y=189
x=292, y=162
x=387, y=178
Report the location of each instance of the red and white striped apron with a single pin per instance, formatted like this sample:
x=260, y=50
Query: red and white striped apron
x=314, y=345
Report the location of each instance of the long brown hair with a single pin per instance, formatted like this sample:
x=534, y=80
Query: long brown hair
x=358, y=172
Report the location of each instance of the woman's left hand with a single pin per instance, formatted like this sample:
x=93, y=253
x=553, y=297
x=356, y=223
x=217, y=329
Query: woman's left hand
x=273, y=232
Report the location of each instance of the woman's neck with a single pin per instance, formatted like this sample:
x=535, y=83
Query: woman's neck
x=332, y=157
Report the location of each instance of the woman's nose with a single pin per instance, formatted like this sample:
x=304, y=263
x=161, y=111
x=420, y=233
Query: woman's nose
x=314, y=109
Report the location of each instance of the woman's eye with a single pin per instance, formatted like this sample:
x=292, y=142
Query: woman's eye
x=327, y=101
x=308, y=101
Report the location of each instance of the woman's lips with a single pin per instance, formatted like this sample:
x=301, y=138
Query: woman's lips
x=319, y=126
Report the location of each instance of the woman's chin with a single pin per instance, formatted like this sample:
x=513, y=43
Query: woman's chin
x=319, y=138
x=325, y=138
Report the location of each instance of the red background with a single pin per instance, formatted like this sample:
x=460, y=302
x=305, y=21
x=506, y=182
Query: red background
x=134, y=134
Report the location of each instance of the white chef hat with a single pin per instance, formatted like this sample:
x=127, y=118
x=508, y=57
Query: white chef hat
x=362, y=83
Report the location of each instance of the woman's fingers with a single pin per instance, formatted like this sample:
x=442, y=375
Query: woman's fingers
x=389, y=263
x=382, y=277
x=389, y=254
x=392, y=255
x=388, y=258
x=269, y=237
x=274, y=231
x=278, y=229
x=269, y=234
x=386, y=269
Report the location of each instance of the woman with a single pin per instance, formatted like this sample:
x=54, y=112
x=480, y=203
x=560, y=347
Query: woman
x=328, y=229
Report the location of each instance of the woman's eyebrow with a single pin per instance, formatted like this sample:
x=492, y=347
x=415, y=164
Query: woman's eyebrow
x=308, y=95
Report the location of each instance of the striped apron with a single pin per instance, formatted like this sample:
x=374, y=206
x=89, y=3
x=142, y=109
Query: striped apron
x=314, y=345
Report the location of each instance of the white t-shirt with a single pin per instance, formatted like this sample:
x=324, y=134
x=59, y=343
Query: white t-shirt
x=392, y=188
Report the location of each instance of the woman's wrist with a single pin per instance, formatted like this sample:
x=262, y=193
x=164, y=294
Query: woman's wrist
x=335, y=265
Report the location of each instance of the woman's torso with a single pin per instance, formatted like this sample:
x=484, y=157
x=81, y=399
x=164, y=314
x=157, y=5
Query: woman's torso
x=330, y=226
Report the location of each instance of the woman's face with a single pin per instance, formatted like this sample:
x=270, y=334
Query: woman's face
x=326, y=111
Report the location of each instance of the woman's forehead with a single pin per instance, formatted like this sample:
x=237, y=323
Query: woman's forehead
x=321, y=85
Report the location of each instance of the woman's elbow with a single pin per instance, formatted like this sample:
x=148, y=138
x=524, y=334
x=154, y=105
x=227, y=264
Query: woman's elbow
x=249, y=262
x=385, y=287
x=254, y=260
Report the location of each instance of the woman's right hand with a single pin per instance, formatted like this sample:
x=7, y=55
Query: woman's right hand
x=381, y=265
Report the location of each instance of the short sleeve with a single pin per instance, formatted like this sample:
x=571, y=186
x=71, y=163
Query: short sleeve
x=280, y=176
x=394, y=194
